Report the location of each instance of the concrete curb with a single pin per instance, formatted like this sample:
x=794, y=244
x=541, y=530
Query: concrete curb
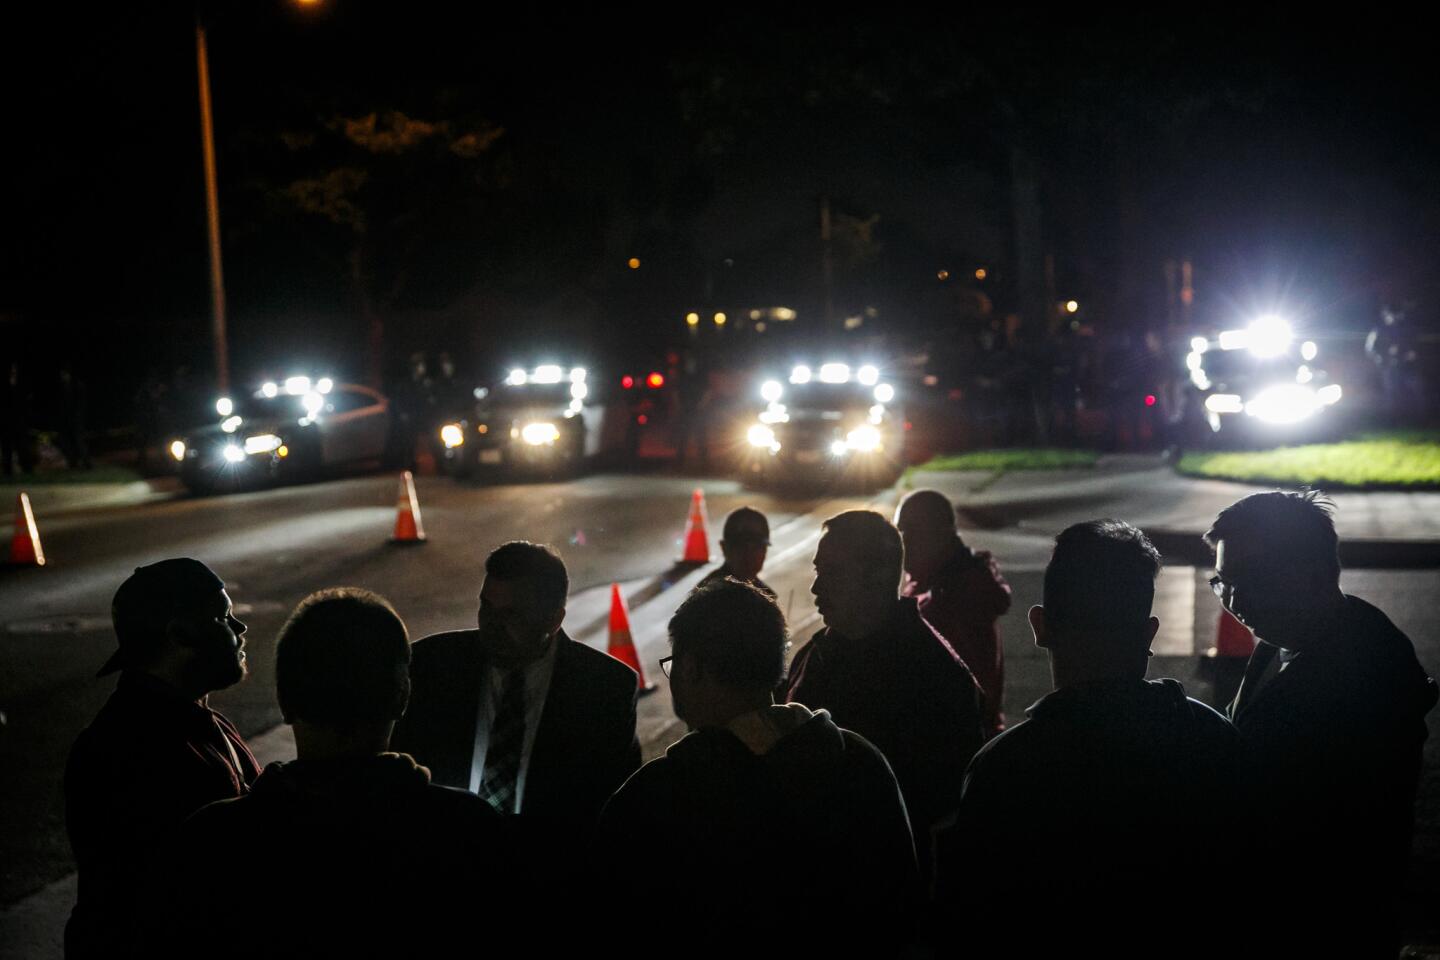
x=58, y=499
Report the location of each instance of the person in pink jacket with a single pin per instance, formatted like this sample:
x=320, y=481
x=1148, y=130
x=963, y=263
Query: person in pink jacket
x=960, y=591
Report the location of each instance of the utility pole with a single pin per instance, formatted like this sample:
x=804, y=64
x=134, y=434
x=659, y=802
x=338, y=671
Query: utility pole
x=212, y=217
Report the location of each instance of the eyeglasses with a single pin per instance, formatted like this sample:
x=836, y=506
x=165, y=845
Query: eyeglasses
x=1223, y=589
x=665, y=666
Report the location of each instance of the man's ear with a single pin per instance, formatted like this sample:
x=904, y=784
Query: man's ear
x=1150, y=630
x=1038, y=626
x=554, y=621
x=402, y=699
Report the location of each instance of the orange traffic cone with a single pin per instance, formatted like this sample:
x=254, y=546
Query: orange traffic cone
x=622, y=645
x=1232, y=639
x=25, y=549
x=408, y=528
x=1224, y=664
x=697, y=545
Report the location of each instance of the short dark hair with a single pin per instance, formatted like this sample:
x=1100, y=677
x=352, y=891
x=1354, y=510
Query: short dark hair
x=933, y=505
x=1295, y=528
x=343, y=660
x=536, y=562
x=870, y=539
x=1101, y=576
x=735, y=632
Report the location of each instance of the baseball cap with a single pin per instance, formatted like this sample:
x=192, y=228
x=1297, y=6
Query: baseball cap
x=151, y=596
x=746, y=524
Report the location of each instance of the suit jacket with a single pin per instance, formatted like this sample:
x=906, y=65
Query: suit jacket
x=585, y=746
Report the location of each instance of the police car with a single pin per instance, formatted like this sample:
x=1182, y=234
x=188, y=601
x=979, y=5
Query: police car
x=540, y=420
x=1261, y=381
x=283, y=431
x=825, y=424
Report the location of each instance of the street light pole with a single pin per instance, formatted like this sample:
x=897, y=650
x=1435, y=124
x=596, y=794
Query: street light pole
x=212, y=217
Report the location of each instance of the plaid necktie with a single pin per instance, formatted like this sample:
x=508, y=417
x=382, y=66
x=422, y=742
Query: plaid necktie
x=507, y=742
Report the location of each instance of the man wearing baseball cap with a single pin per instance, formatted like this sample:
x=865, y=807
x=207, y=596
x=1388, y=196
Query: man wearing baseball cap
x=744, y=541
x=156, y=752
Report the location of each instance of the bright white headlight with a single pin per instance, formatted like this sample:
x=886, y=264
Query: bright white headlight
x=177, y=449
x=578, y=390
x=224, y=407
x=800, y=374
x=451, y=435
x=884, y=393
x=834, y=373
x=868, y=375
x=233, y=454
x=263, y=443
x=297, y=385
x=760, y=435
x=771, y=391
x=538, y=434
x=548, y=373
x=517, y=378
x=863, y=439
x=270, y=391
x=1270, y=336
x=1285, y=403
x=231, y=424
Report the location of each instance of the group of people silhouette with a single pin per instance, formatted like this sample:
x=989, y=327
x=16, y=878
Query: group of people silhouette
x=483, y=788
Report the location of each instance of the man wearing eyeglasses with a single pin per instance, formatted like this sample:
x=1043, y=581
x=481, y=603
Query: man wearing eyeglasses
x=1331, y=714
x=767, y=813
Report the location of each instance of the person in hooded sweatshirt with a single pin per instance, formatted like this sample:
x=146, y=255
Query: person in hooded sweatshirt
x=769, y=815
x=356, y=852
x=1079, y=813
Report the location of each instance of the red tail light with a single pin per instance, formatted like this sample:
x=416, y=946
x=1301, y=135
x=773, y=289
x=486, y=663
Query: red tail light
x=1149, y=399
x=642, y=419
x=655, y=381
x=627, y=381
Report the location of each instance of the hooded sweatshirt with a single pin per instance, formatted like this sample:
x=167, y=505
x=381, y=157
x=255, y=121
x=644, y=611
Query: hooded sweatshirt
x=1084, y=804
x=356, y=856
x=779, y=811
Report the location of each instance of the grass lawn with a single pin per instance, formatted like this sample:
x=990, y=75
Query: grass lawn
x=1037, y=458
x=1396, y=460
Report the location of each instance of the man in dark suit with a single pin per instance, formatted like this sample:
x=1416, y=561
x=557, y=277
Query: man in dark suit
x=537, y=724
x=1331, y=715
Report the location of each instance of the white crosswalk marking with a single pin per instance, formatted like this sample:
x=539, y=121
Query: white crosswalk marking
x=1175, y=606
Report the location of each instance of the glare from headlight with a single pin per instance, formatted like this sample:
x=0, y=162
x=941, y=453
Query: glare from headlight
x=231, y=424
x=263, y=443
x=775, y=413
x=1304, y=374
x=233, y=454
x=270, y=391
x=538, y=434
x=452, y=436
x=1286, y=403
x=1224, y=403
x=313, y=404
x=517, y=378
x=868, y=375
x=760, y=435
x=578, y=390
x=839, y=448
x=771, y=391
x=884, y=393
x=325, y=385
x=834, y=372
x=577, y=374
x=297, y=385
x=800, y=374
x=224, y=407
x=1330, y=393
x=1194, y=361
x=547, y=373
x=1199, y=345
x=863, y=439
x=177, y=449
x=1308, y=350
x=1270, y=336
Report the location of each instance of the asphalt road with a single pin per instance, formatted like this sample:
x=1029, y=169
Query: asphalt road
x=274, y=547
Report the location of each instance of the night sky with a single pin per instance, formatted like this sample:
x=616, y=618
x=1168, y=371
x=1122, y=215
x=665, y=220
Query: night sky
x=1293, y=165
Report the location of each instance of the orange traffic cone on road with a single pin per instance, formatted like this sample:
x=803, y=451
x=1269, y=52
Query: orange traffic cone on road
x=25, y=549
x=408, y=528
x=697, y=544
x=1232, y=639
x=622, y=645
x=1224, y=663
